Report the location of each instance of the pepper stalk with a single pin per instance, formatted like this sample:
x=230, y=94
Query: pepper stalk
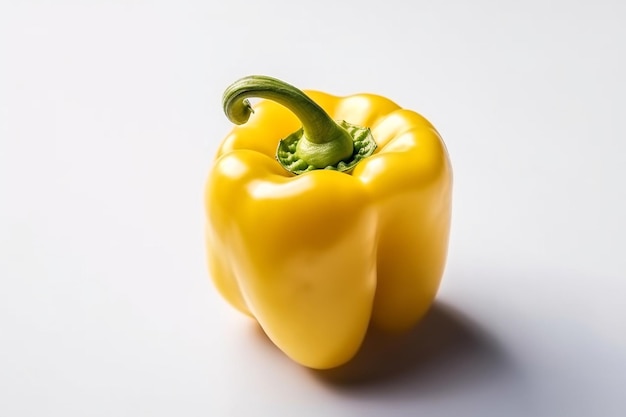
x=321, y=143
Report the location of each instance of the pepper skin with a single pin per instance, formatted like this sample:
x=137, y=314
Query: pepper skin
x=316, y=258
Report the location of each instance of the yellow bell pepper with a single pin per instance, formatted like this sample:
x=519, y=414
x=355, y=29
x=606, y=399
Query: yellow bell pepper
x=334, y=234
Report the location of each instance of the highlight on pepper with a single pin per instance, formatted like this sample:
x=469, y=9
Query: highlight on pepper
x=325, y=215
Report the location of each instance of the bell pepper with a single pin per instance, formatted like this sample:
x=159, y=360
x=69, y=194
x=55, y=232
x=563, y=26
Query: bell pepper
x=320, y=233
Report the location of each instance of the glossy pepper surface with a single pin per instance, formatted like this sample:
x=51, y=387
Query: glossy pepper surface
x=318, y=255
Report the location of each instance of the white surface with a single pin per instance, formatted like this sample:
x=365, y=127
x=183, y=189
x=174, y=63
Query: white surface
x=109, y=117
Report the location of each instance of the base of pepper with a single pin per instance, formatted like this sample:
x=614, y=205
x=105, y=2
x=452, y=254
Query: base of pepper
x=364, y=146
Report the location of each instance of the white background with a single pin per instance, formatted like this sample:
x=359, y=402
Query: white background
x=109, y=118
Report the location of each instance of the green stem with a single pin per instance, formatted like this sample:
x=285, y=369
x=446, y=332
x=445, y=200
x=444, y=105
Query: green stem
x=323, y=144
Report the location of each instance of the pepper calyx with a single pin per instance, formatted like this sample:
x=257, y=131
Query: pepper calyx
x=289, y=149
